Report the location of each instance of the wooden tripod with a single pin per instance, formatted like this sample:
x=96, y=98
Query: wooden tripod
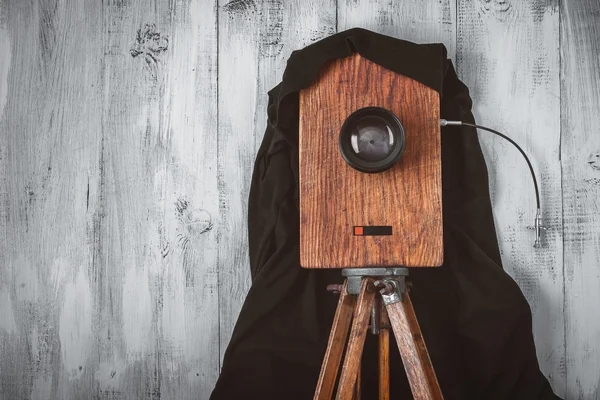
x=357, y=309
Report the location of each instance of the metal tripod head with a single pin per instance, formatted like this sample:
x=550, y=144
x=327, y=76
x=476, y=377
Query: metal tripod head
x=391, y=282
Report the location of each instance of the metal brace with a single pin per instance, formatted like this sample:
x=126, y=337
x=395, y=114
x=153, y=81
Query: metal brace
x=390, y=281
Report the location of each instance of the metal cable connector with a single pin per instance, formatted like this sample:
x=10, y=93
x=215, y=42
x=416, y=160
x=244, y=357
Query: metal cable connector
x=539, y=227
x=445, y=122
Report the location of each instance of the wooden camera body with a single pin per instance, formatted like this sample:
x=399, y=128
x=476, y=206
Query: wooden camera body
x=354, y=219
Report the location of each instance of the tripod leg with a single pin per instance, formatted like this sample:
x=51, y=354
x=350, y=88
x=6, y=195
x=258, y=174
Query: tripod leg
x=360, y=324
x=420, y=373
x=335, y=345
x=384, y=356
x=357, y=386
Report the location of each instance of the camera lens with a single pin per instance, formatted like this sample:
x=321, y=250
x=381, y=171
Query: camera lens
x=372, y=139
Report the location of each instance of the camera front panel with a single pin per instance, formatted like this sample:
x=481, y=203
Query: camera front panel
x=370, y=169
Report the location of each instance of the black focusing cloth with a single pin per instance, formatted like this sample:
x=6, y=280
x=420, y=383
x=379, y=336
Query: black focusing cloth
x=475, y=320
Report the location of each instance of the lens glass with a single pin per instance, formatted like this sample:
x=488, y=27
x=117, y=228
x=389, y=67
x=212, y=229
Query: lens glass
x=372, y=138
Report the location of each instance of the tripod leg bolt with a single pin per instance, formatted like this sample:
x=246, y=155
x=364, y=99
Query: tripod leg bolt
x=335, y=288
x=384, y=287
x=391, y=290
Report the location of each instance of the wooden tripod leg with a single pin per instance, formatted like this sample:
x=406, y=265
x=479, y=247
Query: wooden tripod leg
x=357, y=386
x=384, y=356
x=335, y=345
x=360, y=324
x=421, y=376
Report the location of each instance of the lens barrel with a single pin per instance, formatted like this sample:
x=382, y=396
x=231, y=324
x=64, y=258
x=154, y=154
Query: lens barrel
x=372, y=139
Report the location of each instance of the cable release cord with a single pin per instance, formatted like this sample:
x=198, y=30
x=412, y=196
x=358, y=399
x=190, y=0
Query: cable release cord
x=538, y=217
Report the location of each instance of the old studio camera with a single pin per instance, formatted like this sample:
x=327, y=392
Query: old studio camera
x=370, y=171
x=371, y=205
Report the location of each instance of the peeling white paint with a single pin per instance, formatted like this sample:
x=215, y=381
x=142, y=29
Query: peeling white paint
x=34, y=341
x=42, y=386
x=58, y=272
x=75, y=325
x=26, y=281
x=109, y=374
x=7, y=318
x=137, y=312
x=5, y=63
x=173, y=317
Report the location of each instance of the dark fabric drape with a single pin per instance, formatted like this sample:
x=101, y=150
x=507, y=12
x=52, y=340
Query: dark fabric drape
x=475, y=321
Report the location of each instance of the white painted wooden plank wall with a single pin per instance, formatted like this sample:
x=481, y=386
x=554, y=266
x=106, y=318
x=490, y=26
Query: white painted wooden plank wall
x=128, y=131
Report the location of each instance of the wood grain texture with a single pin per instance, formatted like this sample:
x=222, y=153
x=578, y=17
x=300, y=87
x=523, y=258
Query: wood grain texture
x=580, y=158
x=356, y=340
x=358, y=386
x=190, y=316
x=335, y=345
x=420, y=22
x=115, y=137
x=384, y=355
x=158, y=253
x=50, y=146
x=334, y=197
x=419, y=371
x=507, y=54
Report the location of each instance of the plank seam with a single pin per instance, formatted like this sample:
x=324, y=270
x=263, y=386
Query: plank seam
x=219, y=180
x=336, y=15
x=562, y=191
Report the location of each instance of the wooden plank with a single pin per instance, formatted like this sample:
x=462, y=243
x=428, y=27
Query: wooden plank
x=124, y=312
x=156, y=273
x=335, y=345
x=507, y=54
x=419, y=22
x=255, y=39
x=415, y=357
x=190, y=203
x=50, y=129
x=385, y=198
x=356, y=340
x=580, y=157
